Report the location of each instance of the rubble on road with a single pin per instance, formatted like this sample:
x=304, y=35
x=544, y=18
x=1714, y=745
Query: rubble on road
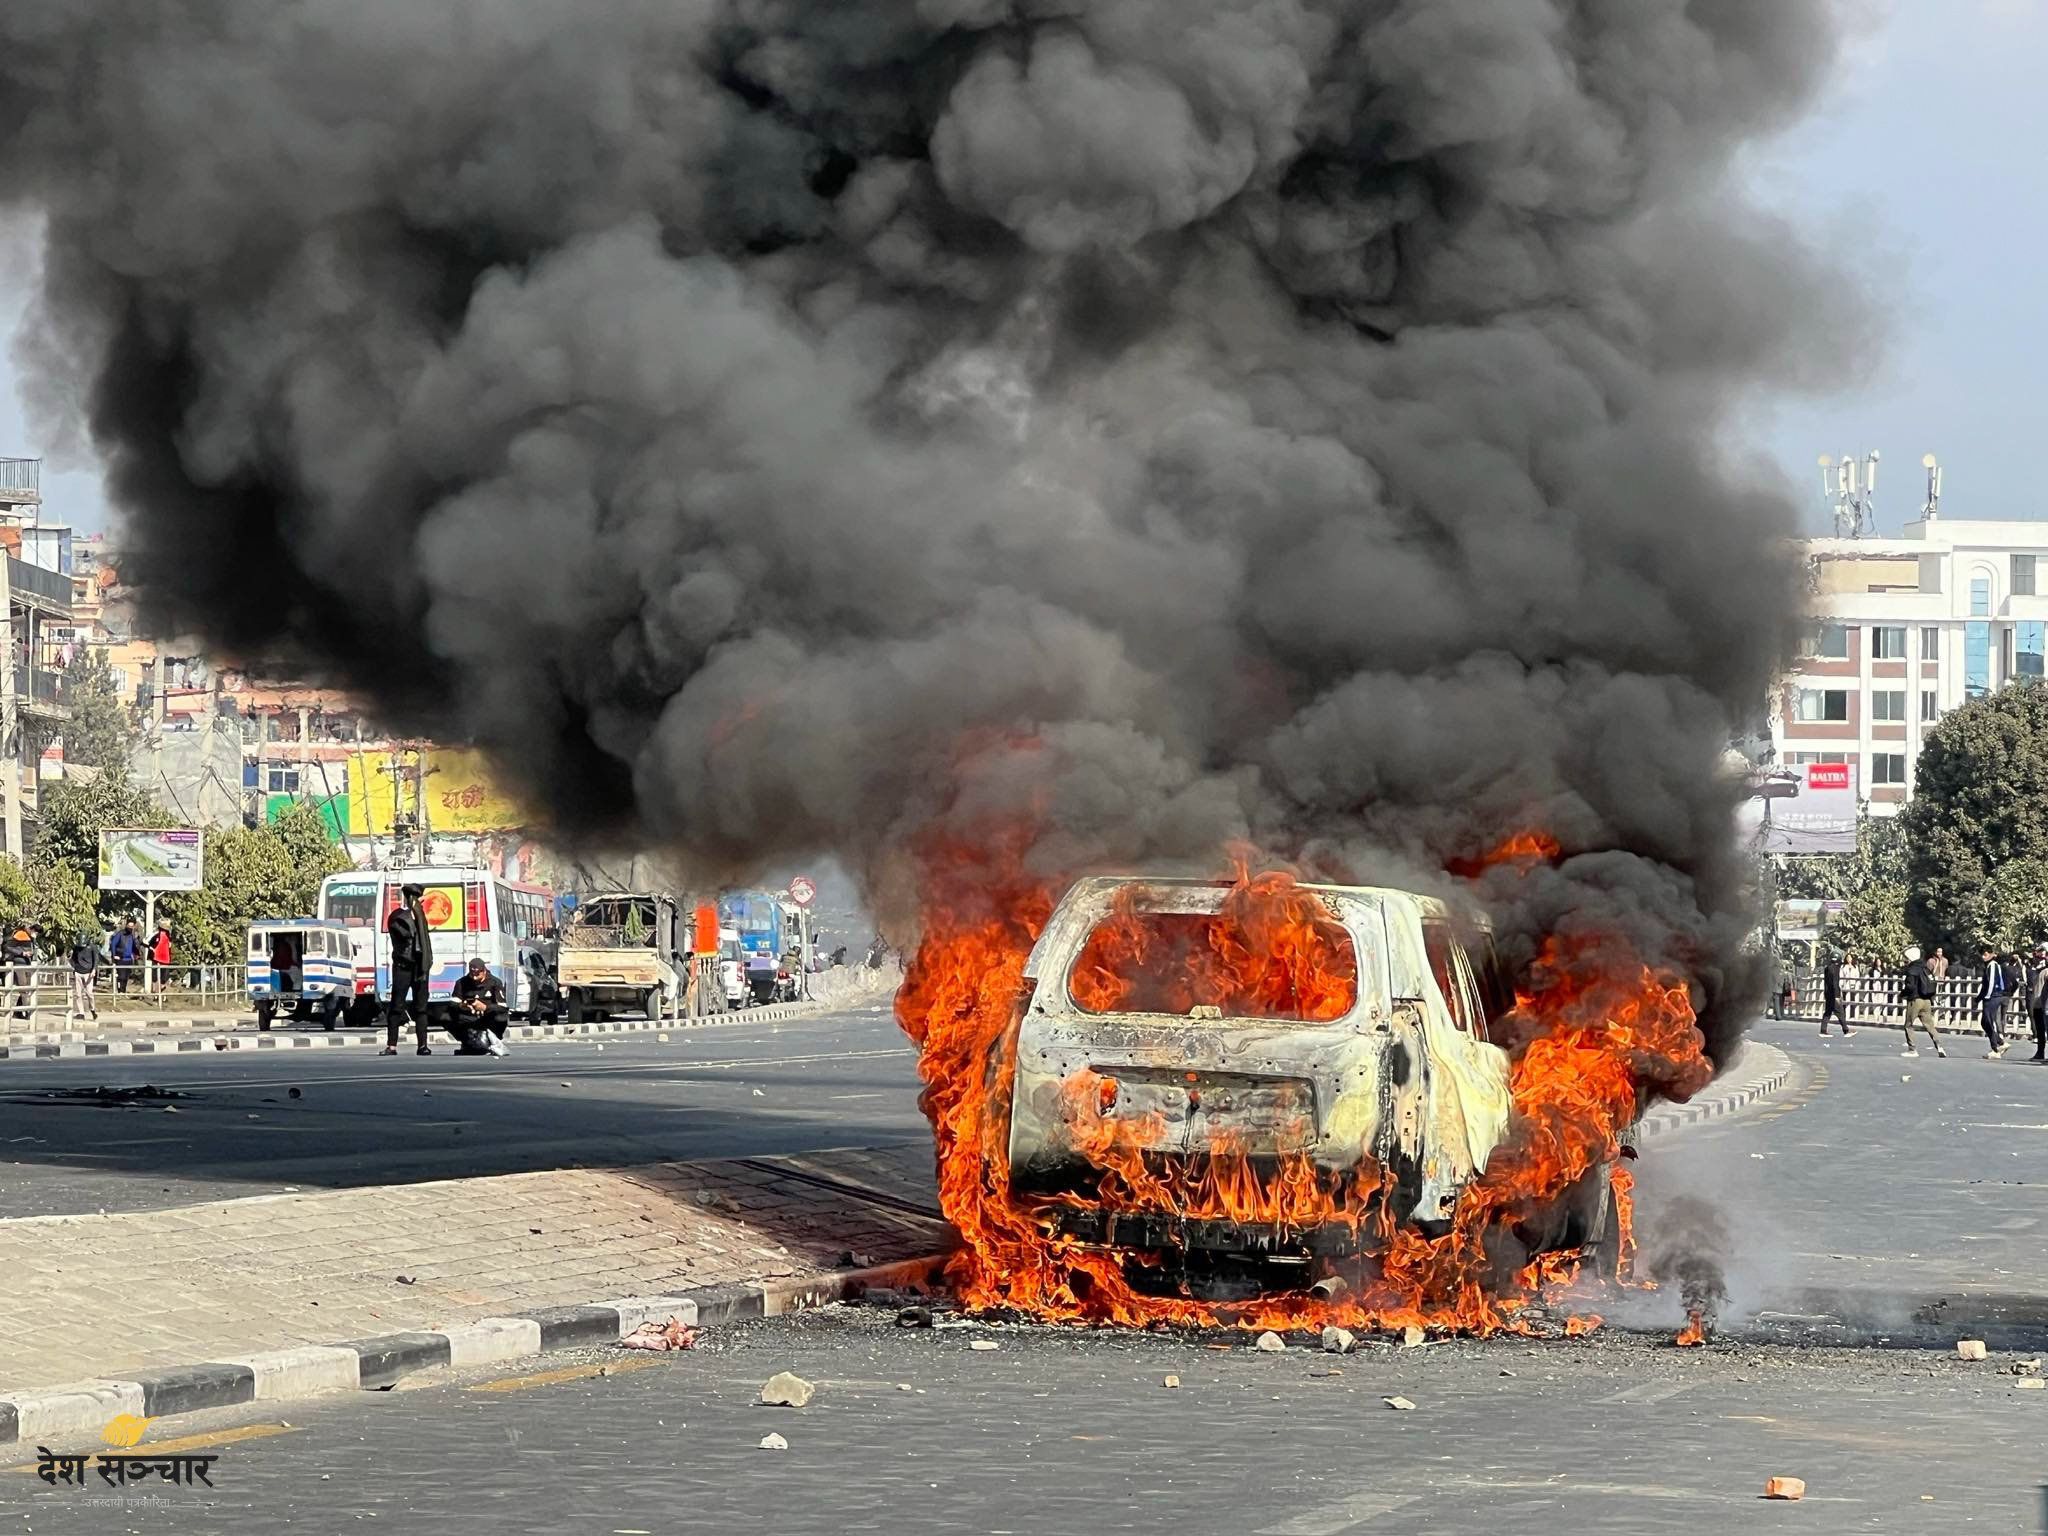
x=1399, y=1404
x=1339, y=1341
x=1784, y=1488
x=104, y=1097
x=774, y=1443
x=984, y=1345
x=1970, y=1349
x=1171, y=1381
x=1413, y=1337
x=673, y=1334
x=786, y=1389
x=1270, y=1342
x=914, y=1317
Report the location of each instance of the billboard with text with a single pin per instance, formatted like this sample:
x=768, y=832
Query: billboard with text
x=1805, y=808
x=151, y=859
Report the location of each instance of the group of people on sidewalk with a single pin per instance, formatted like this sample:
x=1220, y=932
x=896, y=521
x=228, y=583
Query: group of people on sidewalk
x=477, y=1015
x=123, y=949
x=2004, y=984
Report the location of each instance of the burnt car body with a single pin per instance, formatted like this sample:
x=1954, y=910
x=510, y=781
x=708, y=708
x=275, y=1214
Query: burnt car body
x=1405, y=1082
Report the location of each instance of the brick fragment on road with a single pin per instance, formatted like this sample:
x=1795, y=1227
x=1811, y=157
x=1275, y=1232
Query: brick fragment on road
x=984, y=1345
x=1399, y=1404
x=1339, y=1341
x=1784, y=1488
x=1970, y=1349
x=1271, y=1342
x=774, y=1443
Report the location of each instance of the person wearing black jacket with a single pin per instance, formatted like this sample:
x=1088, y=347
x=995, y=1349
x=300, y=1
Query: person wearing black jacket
x=2037, y=1000
x=480, y=1014
x=1831, y=996
x=412, y=963
x=85, y=963
x=1992, y=990
x=1920, y=990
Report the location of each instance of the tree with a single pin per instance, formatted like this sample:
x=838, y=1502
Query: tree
x=1872, y=926
x=73, y=812
x=252, y=873
x=99, y=732
x=1977, y=826
x=1880, y=859
x=54, y=895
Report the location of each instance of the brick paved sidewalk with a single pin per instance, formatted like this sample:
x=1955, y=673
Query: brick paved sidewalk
x=88, y=1296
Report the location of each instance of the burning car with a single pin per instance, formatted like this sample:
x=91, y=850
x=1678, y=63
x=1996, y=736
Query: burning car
x=1266, y=1071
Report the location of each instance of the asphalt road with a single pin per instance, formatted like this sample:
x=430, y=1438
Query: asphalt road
x=740, y=1089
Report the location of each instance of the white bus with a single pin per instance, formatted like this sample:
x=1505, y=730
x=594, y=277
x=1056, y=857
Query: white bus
x=469, y=912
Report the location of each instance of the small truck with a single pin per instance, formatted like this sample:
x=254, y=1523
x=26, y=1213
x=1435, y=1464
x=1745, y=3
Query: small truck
x=624, y=952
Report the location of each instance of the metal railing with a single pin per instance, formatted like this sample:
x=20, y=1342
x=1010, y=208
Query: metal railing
x=33, y=686
x=23, y=477
x=1881, y=1000
x=29, y=580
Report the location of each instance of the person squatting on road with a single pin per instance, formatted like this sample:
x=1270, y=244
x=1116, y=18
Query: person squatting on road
x=1831, y=996
x=1991, y=993
x=85, y=962
x=412, y=963
x=1920, y=988
x=480, y=1015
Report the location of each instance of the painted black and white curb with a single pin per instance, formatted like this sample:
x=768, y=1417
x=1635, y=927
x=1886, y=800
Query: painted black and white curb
x=66, y=1046
x=1760, y=1071
x=78, y=1412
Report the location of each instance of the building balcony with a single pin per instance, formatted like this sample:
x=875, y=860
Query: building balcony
x=45, y=592
x=21, y=482
x=41, y=692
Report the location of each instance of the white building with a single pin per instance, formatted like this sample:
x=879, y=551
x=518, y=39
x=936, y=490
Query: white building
x=1907, y=629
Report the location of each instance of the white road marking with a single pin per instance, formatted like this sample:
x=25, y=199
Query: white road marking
x=1344, y=1515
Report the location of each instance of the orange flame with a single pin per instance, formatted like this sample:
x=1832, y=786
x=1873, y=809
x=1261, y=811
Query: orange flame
x=1602, y=1031
x=1694, y=1333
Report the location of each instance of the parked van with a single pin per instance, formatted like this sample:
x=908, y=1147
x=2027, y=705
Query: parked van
x=302, y=966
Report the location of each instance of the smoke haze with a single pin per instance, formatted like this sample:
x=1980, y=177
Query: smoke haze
x=1298, y=417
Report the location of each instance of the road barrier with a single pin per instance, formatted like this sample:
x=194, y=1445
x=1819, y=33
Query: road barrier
x=1881, y=1000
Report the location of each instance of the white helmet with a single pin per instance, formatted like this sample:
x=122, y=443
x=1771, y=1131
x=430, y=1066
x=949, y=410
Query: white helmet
x=1912, y=951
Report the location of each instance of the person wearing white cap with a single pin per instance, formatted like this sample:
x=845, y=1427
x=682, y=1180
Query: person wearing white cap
x=1920, y=987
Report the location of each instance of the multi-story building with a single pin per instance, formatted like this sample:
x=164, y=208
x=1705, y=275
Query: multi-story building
x=35, y=609
x=1905, y=630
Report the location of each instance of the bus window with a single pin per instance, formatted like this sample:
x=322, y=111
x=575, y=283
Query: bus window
x=353, y=902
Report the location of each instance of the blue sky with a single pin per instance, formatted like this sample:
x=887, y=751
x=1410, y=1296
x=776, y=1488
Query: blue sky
x=1922, y=175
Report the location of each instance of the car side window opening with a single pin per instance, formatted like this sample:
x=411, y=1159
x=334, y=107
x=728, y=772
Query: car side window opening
x=1453, y=978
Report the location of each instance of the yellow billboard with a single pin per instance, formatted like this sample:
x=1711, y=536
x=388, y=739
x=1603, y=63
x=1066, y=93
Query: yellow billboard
x=456, y=794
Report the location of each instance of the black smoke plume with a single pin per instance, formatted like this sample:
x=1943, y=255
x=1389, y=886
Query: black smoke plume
x=1300, y=418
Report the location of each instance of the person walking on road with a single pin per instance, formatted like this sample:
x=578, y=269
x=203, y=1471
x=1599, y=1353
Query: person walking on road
x=85, y=963
x=1920, y=988
x=1992, y=988
x=412, y=963
x=1831, y=996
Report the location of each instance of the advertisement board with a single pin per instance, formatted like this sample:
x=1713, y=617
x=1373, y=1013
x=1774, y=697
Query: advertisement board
x=460, y=794
x=151, y=859
x=1805, y=808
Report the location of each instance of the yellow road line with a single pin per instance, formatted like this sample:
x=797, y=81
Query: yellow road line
x=567, y=1373
x=195, y=1442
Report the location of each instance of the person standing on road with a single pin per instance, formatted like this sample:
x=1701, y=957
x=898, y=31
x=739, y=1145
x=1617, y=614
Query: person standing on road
x=160, y=955
x=481, y=1011
x=412, y=963
x=85, y=962
x=1831, y=996
x=2037, y=1001
x=1920, y=989
x=1991, y=993
x=18, y=949
x=126, y=949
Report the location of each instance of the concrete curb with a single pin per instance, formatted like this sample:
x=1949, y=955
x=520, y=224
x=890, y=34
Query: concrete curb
x=1762, y=1070
x=68, y=1047
x=78, y=1411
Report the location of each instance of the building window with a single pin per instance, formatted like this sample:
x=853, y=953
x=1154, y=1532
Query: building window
x=1930, y=704
x=1833, y=642
x=1888, y=704
x=1888, y=768
x=2022, y=575
x=1823, y=704
x=1980, y=597
x=1976, y=659
x=1930, y=645
x=1888, y=642
x=283, y=780
x=1801, y=759
x=2030, y=647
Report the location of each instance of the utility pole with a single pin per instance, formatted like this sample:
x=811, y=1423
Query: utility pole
x=10, y=716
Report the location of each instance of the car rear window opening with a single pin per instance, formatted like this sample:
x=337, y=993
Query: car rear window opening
x=1280, y=958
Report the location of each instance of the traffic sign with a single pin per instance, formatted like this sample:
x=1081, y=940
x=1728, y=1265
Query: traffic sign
x=802, y=891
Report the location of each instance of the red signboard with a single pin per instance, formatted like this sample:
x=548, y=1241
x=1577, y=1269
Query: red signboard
x=1827, y=776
